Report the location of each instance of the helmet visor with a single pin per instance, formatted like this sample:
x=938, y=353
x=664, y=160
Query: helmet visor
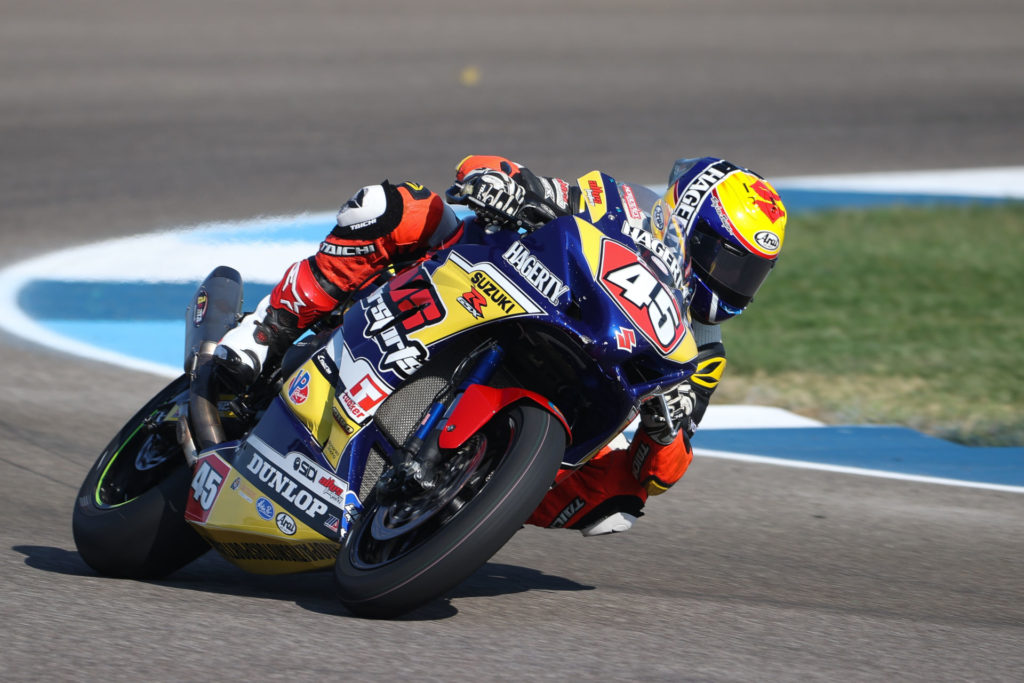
x=734, y=275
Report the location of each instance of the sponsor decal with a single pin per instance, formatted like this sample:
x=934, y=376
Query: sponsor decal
x=321, y=484
x=364, y=209
x=361, y=389
x=238, y=487
x=286, y=523
x=492, y=294
x=289, y=288
x=332, y=453
x=202, y=302
x=562, y=191
x=644, y=299
x=535, y=272
x=289, y=489
x=325, y=364
x=658, y=217
x=633, y=212
x=265, y=508
x=278, y=552
x=348, y=249
x=303, y=467
x=413, y=296
x=574, y=506
x=594, y=191
x=492, y=291
x=362, y=224
x=639, y=456
x=625, y=339
x=363, y=397
x=334, y=489
x=341, y=421
x=474, y=302
x=689, y=198
x=206, y=486
x=333, y=523
x=549, y=191
x=722, y=215
x=298, y=390
x=669, y=257
x=767, y=240
x=409, y=303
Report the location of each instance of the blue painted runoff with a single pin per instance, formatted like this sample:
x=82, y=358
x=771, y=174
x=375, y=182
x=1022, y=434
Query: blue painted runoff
x=892, y=449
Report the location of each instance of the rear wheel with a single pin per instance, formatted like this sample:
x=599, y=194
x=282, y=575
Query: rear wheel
x=129, y=515
x=402, y=554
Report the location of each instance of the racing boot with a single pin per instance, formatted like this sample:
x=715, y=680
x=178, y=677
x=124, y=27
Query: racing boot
x=602, y=497
x=242, y=352
x=607, y=495
x=262, y=337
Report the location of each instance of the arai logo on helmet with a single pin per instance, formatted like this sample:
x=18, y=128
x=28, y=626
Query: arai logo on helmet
x=767, y=240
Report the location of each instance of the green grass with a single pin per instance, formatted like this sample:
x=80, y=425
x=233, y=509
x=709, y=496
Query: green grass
x=910, y=316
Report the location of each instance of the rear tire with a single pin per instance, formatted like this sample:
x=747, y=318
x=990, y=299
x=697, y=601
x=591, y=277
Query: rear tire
x=518, y=454
x=129, y=515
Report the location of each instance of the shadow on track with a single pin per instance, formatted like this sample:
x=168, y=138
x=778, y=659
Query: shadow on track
x=312, y=591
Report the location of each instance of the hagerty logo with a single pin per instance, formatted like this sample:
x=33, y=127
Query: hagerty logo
x=693, y=194
x=535, y=272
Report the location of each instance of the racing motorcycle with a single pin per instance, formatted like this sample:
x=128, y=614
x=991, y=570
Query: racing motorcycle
x=406, y=440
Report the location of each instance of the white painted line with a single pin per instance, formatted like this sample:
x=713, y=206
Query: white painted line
x=841, y=469
x=175, y=256
x=1000, y=183
x=753, y=417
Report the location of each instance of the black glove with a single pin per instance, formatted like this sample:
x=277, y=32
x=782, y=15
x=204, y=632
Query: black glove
x=494, y=196
x=662, y=416
x=544, y=202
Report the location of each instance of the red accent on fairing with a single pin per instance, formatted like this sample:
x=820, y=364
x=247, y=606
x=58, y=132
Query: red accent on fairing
x=478, y=404
x=219, y=470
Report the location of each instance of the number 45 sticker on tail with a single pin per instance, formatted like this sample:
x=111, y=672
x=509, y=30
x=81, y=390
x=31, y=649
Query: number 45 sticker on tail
x=209, y=477
x=645, y=300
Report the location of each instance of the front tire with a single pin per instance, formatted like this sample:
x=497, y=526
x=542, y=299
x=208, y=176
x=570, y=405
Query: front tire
x=391, y=562
x=129, y=515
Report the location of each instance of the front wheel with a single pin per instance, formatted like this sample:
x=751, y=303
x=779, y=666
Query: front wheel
x=129, y=514
x=402, y=554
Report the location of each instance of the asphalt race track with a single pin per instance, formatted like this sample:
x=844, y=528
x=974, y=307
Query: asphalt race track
x=117, y=119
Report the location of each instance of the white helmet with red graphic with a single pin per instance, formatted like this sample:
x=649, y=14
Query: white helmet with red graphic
x=733, y=223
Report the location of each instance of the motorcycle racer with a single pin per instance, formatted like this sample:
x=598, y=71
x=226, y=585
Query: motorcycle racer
x=730, y=219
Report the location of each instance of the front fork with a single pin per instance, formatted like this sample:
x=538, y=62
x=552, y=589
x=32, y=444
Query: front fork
x=418, y=470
